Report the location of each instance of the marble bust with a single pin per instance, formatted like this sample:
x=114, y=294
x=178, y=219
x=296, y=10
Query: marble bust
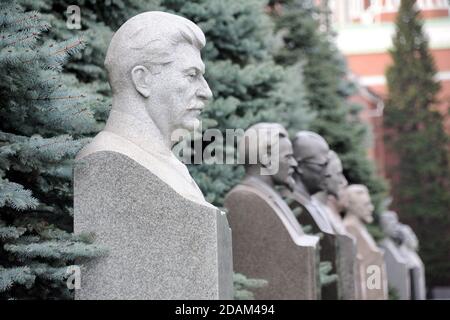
x=373, y=279
x=396, y=265
x=311, y=152
x=268, y=241
x=156, y=76
x=334, y=197
x=165, y=240
x=414, y=262
x=332, y=202
x=391, y=227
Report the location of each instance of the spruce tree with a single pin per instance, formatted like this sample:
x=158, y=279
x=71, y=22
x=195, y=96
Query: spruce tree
x=421, y=178
x=44, y=117
x=99, y=20
x=304, y=39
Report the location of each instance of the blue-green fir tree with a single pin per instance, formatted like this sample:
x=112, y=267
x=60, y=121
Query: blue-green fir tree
x=98, y=21
x=44, y=118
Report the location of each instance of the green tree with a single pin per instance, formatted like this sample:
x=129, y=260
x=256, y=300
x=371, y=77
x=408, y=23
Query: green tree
x=44, y=118
x=99, y=20
x=305, y=40
x=421, y=183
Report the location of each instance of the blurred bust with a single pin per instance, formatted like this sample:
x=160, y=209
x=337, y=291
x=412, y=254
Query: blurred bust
x=266, y=151
x=335, y=181
x=334, y=199
x=311, y=153
x=392, y=227
x=359, y=203
x=409, y=237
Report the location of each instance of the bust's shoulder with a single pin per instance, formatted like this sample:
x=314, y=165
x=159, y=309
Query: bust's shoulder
x=105, y=141
x=246, y=192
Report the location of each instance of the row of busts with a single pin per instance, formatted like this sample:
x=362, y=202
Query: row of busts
x=165, y=240
x=268, y=211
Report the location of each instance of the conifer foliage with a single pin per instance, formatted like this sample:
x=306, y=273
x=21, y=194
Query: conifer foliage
x=43, y=121
x=421, y=179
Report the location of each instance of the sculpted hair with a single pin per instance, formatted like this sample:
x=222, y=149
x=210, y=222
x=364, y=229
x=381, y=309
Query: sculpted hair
x=386, y=220
x=301, y=141
x=334, y=158
x=148, y=39
x=258, y=140
x=355, y=191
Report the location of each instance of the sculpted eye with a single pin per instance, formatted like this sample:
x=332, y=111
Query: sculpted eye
x=192, y=74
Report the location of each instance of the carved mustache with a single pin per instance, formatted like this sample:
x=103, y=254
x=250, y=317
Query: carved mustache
x=196, y=107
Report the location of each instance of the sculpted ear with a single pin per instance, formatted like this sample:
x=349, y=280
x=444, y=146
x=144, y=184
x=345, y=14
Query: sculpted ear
x=140, y=76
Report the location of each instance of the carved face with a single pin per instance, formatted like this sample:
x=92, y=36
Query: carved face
x=312, y=162
x=363, y=207
x=335, y=180
x=179, y=90
x=392, y=227
x=389, y=223
x=360, y=204
x=287, y=163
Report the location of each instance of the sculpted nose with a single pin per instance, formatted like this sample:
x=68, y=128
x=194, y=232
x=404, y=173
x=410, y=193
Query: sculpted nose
x=344, y=181
x=293, y=162
x=204, y=92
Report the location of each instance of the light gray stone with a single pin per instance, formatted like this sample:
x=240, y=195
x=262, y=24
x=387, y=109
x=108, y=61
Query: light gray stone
x=397, y=269
x=415, y=264
x=372, y=268
x=165, y=240
x=162, y=246
x=396, y=265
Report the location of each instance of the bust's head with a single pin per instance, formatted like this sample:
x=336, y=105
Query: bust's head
x=265, y=149
x=359, y=202
x=311, y=154
x=335, y=180
x=391, y=226
x=154, y=62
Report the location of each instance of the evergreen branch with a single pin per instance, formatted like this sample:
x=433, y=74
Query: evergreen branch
x=60, y=98
x=33, y=35
x=15, y=196
x=17, y=275
x=60, y=250
x=68, y=48
x=326, y=278
x=27, y=18
x=12, y=138
x=8, y=233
